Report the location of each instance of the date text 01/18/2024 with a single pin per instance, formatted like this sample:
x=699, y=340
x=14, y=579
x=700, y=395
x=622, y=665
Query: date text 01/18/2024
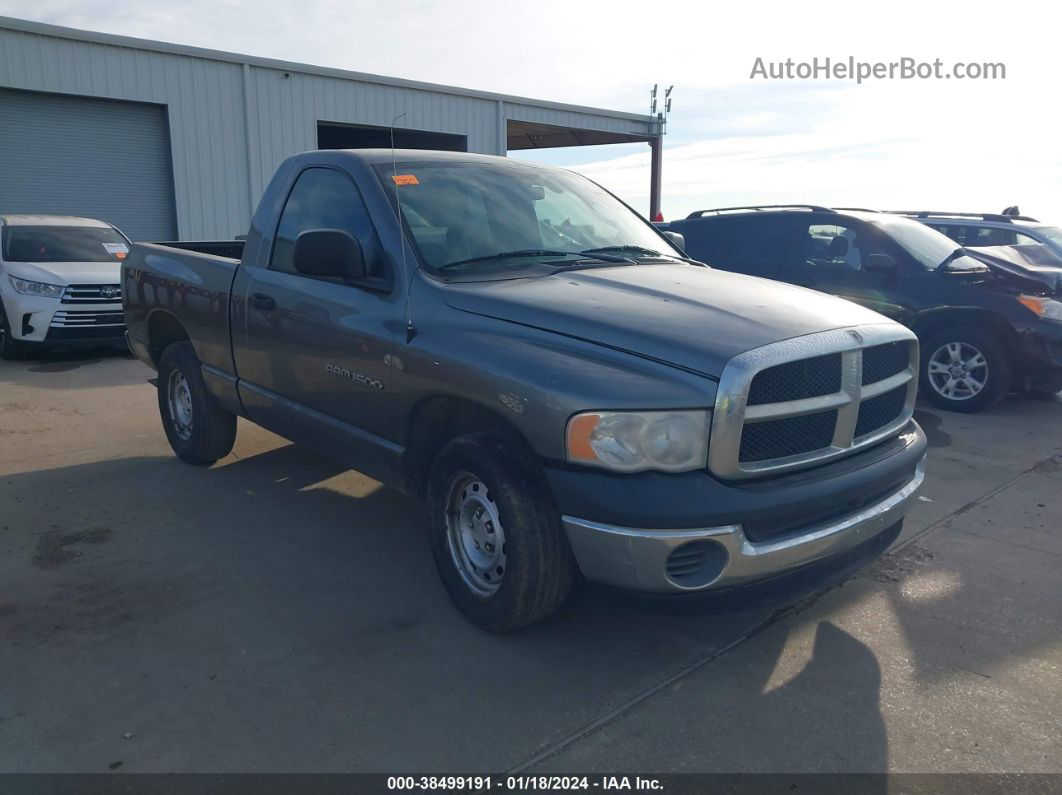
x=523, y=783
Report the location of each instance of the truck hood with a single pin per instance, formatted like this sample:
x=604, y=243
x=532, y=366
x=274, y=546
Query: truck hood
x=692, y=317
x=64, y=273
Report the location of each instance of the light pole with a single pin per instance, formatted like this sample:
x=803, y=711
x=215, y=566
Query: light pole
x=658, y=127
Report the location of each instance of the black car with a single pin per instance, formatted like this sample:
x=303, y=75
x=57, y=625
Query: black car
x=986, y=327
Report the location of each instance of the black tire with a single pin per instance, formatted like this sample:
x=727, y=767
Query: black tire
x=11, y=349
x=997, y=369
x=539, y=567
x=210, y=431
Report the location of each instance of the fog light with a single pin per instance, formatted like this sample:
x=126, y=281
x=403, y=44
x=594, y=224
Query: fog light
x=696, y=564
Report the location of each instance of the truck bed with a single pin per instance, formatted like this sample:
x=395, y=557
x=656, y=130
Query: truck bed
x=163, y=284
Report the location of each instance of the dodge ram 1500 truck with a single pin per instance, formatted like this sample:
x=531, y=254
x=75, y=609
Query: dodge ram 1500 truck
x=565, y=389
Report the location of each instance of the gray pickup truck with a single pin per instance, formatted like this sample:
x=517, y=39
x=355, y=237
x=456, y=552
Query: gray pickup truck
x=565, y=389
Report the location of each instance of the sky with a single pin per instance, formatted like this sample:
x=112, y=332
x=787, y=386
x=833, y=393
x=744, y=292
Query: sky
x=941, y=144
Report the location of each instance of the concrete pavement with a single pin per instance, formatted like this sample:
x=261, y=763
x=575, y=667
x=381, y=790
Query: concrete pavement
x=277, y=613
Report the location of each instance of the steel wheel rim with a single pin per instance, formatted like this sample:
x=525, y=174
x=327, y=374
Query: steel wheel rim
x=179, y=397
x=957, y=371
x=475, y=537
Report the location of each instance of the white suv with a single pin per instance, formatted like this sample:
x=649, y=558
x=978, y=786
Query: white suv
x=59, y=282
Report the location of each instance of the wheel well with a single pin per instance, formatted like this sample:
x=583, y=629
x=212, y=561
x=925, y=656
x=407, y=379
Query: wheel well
x=163, y=329
x=930, y=324
x=436, y=421
x=940, y=320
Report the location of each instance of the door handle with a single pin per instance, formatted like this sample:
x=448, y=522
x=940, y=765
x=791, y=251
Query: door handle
x=262, y=301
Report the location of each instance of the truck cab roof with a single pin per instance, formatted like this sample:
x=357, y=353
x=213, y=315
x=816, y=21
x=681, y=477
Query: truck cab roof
x=378, y=156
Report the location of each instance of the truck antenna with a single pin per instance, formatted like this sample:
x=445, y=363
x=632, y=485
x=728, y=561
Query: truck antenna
x=410, y=330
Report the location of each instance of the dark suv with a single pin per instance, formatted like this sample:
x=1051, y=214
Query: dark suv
x=985, y=330
x=990, y=229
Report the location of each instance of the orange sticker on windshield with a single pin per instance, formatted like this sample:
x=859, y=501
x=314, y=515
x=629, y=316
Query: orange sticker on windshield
x=405, y=179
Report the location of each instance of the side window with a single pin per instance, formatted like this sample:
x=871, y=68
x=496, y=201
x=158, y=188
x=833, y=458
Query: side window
x=324, y=198
x=841, y=246
x=987, y=236
x=956, y=233
x=1025, y=240
x=759, y=246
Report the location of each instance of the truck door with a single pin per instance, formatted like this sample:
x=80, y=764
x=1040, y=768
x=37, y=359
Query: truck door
x=834, y=259
x=312, y=353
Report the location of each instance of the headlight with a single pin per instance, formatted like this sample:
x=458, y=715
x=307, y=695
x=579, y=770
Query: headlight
x=633, y=441
x=1044, y=307
x=37, y=288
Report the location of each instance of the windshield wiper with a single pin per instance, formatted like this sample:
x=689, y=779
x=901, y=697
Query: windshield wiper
x=637, y=249
x=534, y=252
x=640, y=250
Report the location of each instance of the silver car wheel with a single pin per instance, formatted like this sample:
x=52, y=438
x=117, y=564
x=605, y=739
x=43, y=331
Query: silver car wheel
x=957, y=371
x=474, y=534
x=179, y=397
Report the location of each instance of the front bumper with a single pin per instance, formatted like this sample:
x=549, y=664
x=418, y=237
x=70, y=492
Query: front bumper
x=50, y=321
x=674, y=534
x=1042, y=354
x=650, y=560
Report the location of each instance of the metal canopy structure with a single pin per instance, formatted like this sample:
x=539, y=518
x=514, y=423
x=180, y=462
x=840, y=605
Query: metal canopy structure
x=531, y=135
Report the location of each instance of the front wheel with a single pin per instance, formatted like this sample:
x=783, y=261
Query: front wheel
x=11, y=349
x=198, y=429
x=496, y=534
x=965, y=369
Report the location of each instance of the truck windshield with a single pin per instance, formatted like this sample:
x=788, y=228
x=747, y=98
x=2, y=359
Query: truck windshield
x=474, y=216
x=63, y=244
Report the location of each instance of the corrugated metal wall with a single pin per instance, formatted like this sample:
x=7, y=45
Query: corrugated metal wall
x=205, y=107
x=232, y=123
x=284, y=112
x=100, y=158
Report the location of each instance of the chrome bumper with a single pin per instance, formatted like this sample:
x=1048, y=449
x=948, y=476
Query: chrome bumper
x=638, y=559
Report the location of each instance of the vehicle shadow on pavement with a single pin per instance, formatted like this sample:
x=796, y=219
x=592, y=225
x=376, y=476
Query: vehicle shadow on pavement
x=284, y=601
x=279, y=612
x=58, y=360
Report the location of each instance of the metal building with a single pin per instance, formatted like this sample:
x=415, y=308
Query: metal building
x=168, y=141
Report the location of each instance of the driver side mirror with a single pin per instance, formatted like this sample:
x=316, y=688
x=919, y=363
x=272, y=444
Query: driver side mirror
x=675, y=238
x=331, y=253
x=880, y=263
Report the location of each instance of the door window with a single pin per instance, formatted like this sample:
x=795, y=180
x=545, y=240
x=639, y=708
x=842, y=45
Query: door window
x=760, y=246
x=956, y=233
x=324, y=198
x=839, y=246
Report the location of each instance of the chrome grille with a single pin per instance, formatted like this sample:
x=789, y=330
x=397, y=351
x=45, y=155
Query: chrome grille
x=763, y=441
x=881, y=361
x=792, y=380
x=80, y=319
x=810, y=399
x=880, y=411
x=92, y=294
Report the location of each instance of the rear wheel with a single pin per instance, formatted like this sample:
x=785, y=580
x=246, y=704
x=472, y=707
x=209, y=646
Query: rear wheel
x=496, y=534
x=198, y=429
x=11, y=349
x=965, y=369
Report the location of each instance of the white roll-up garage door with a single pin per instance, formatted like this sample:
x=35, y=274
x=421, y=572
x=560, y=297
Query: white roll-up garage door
x=98, y=158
